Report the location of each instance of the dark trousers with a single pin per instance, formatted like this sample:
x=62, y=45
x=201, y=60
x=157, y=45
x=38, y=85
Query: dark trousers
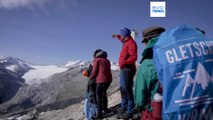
x=126, y=84
x=101, y=96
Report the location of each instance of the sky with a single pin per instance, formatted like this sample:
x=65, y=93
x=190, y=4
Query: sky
x=56, y=31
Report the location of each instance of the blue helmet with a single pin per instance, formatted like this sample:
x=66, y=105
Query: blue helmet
x=125, y=32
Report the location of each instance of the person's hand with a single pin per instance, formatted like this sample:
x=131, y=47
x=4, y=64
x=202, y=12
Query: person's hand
x=114, y=36
x=123, y=64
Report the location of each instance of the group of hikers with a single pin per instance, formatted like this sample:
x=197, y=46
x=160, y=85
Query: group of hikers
x=138, y=86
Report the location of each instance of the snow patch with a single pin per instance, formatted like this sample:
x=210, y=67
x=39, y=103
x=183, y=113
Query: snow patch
x=3, y=61
x=114, y=66
x=11, y=68
x=39, y=74
x=75, y=63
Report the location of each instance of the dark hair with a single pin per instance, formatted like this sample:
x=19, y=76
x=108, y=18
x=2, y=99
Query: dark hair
x=95, y=52
x=146, y=40
x=104, y=54
x=101, y=54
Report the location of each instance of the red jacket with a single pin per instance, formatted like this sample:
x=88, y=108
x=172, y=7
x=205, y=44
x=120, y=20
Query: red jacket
x=101, y=70
x=128, y=54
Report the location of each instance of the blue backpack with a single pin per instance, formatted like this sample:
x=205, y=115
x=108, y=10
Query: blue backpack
x=183, y=58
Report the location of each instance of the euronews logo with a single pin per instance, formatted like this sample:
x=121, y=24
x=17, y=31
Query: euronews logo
x=157, y=9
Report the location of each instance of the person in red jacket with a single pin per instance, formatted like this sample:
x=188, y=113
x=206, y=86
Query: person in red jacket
x=102, y=72
x=127, y=59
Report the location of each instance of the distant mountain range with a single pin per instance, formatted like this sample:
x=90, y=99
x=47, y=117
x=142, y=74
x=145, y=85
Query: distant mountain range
x=24, y=85
x=15, y=65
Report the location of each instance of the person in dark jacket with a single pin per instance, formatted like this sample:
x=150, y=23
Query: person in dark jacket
x=128, y=57
x=91, y=86
x=102, y=72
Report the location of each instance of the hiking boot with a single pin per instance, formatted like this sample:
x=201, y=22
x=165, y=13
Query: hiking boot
x=127, y=116
x=106, y=111
x=121, y=111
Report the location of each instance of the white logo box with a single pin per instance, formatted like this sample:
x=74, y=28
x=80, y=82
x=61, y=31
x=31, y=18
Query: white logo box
x=157, y=9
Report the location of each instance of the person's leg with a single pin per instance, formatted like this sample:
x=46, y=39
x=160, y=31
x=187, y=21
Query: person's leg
x=99, y=99
x=93, y=89
x=131, y=103
x=88, y=87
x=105, y=101
x=128, y=78
x=124, y=99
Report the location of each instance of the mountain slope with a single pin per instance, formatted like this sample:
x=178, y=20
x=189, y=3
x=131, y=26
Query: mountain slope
x=50, y=87
x=15, y=65
x=10, y=83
